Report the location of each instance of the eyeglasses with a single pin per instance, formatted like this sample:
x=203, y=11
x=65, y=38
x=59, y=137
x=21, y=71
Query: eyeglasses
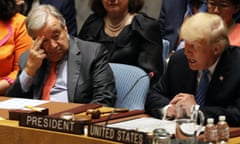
x=220, y=5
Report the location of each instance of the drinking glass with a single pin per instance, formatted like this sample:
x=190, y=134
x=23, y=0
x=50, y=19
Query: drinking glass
x=187, y=127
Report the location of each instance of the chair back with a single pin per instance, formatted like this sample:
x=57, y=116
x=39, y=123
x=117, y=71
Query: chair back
x=132, y=84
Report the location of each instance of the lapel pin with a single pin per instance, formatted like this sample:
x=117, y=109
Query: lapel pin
x=221, y=78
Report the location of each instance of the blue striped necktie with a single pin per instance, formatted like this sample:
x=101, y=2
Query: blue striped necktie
x=202, y=88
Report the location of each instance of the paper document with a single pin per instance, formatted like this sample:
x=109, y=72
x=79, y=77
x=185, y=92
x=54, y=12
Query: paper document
x=147, y=124
x=20, y=103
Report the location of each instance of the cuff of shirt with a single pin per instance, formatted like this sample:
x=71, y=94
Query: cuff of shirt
x=25, y=81
x=164, y=111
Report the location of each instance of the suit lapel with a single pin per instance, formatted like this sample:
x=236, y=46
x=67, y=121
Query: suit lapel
x=221, y=73
x=74, y=67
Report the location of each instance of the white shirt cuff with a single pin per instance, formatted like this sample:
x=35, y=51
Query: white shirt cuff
x=25, y=81
x=164, y=111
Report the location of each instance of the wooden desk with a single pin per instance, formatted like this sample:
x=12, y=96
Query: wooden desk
x=11, y=133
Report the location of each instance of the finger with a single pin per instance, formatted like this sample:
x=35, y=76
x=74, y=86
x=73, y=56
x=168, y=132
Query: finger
x=179, y=104
x=171, y=112
x=43, y=56
x=177, y=98
x=41, y=51
x=37, y=43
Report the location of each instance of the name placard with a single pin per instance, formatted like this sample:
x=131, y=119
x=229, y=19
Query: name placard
x=54, y=124
x=118, y=135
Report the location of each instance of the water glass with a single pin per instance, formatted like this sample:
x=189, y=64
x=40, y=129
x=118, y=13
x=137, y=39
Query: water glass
x=186, y=124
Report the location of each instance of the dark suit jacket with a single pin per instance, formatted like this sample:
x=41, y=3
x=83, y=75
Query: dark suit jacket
x=223, y=95
x=90, y=78
x=171, y=18
x=65, y=7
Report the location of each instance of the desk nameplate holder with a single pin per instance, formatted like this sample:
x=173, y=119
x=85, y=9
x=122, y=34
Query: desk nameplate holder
x=16, y=114
x=118, y=135
x=54, y=124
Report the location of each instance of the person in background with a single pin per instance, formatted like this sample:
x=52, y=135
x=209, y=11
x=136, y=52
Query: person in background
x=66, y=8
x=227, y=9
x=208, y=63
x=130, y=37
x=172, y=15
x=59, y=67
x=237, y=17
x=14, y=40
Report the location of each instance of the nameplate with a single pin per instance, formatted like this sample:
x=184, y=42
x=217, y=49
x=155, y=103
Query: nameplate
x=54, y=124
x=118, y=135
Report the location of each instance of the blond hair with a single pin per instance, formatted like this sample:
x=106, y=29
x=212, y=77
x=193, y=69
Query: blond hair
x=205, y=27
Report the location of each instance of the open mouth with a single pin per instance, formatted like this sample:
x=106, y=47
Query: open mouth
x=191, y=61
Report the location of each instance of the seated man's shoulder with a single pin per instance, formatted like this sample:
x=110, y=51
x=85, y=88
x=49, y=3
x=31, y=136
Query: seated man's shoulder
x=234, y=51
x=88, y=46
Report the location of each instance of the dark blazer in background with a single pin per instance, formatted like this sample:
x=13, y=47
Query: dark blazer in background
x=223, y=95
x=138, y=44
x=89, y=76
x=171, y=17
x=66, y=8
x=237, y=17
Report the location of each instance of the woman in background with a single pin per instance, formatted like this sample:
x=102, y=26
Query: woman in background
x=14, y=40
x=130, y=37
x=226, y=9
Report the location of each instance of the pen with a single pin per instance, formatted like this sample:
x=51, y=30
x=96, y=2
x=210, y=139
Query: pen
x=33, y=108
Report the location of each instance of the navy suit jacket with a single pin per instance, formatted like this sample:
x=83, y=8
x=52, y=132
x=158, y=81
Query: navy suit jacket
x=89, y=77
x=171, y=17
x=65, y=7
x=223, y=95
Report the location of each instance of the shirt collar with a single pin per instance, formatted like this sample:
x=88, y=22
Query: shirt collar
x=212, y=68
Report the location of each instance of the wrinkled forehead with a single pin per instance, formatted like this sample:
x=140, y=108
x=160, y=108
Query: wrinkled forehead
x=52, y=25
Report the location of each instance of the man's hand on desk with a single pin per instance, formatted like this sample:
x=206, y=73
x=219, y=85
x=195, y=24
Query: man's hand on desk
x=183, y=100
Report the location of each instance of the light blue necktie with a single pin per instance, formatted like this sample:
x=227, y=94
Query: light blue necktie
x=202, y=88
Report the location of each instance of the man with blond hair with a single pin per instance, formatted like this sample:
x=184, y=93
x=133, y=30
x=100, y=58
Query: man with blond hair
x=207, y=57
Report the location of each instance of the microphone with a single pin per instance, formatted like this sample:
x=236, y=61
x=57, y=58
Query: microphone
x=151, y=74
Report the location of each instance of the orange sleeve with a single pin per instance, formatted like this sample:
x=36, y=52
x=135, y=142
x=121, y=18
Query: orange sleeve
x=22, y=42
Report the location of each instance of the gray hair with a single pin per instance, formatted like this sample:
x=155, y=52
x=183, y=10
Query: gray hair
x=37, y=17
x=205, y=27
